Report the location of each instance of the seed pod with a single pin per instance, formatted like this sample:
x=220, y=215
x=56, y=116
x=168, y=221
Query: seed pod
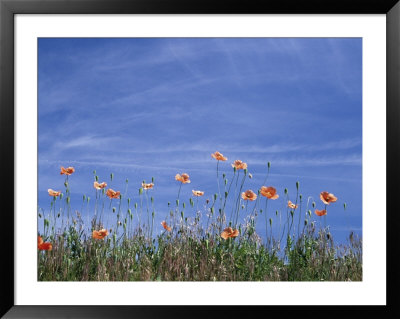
x=112, y=176
x=245, y=171
x=297, y=185
x=40, y=215
x=276, y=213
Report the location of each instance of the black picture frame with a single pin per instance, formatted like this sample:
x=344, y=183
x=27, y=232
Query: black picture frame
x=8, y=8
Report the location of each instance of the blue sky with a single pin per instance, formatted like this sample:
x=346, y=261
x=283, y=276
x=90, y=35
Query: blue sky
x=155, y=107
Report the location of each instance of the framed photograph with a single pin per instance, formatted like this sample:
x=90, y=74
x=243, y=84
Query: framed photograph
x=176, y=154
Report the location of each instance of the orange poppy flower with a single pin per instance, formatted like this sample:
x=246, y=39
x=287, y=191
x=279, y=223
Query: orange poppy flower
x=321, y=212
x=53, y=193
x=229, y=233
x=218, y=156
x=112, y=193
x=269, y=192
x=197, y=193
x=327, y=198
x=239, y=164
x=98, y=185
x=147, y=186
x=67, y=171
x=249, y=195
x=291, y=205
x=100, y=234
x=184, y=178
x=166, y=227
x=44, y=246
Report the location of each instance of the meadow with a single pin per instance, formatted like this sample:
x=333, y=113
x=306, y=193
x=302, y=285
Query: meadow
x=201, y=238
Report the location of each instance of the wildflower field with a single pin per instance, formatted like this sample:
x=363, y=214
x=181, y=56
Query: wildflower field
x=206, y=237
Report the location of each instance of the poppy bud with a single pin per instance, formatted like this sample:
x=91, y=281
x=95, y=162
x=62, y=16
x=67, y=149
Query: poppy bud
x=207, y=201
x=120, y=196
x=270, y=221
x=129, y=201
x=135, y=205
x=245, y=171
x=297, y=185
x=212, y=210
x=269, y=165
x=94, y=172
x=184, y=205
x=124, y=226
x=84, y=197
x=234, y=169
x=46, y=222
x=306, y=222
x=61, y=195
x=226, y=181
x=103, y=191
x=313, y=204
x=223, y=175
x=344, y=205
x=292, y=213
x=226, y=194
x=113, y=209
x=286, y=191
x=169, y=204
x=88, y=199
x=140, y=191
x=171, y=213
x=152, y=214
x=66, y=184
x=58, y=215
x=152, y=199
x=215, y=196
x=309, y=213
x=96, y=178
x=40, y=215
x=110, y=230
x=301, y=197
x=276, y=213
x=112, y=176
x=242, y=206
x=182, y=214
x=129, y=211
x=250, y=176
x=177, y=202
x=68, y=200
x=152, y=180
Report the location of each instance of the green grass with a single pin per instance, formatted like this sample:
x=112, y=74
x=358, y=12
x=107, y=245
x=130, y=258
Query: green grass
x=193, y=249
